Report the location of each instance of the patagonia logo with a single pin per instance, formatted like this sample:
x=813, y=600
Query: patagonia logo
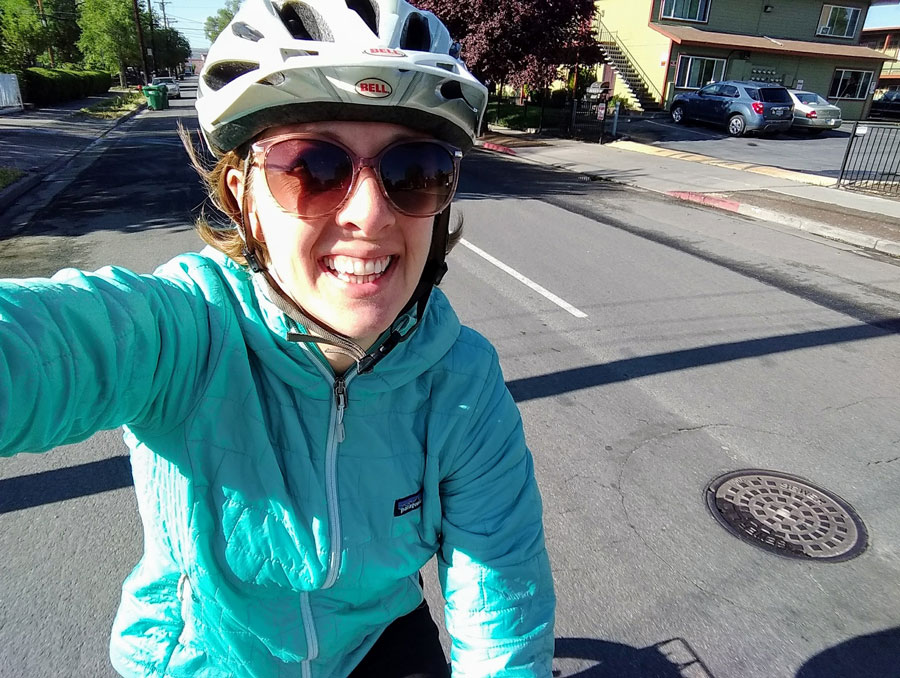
x=384, y=51
x=407, y=504
x=373, y=88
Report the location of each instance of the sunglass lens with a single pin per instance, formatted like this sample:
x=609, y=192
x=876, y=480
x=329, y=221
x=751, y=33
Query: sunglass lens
x=308, y=177
x=418, y=177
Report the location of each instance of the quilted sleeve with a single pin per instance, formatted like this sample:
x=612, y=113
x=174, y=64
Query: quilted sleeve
x=85, y=352
x=493, y=565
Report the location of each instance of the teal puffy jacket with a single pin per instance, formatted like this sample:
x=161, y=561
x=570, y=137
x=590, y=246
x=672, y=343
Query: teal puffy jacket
x=286, y=512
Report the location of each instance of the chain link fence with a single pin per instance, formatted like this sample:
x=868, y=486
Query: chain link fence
x=586, y=119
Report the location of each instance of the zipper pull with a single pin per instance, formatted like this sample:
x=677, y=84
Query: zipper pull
x=340, y=398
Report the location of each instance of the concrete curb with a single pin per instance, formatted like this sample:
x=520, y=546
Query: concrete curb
x=22, y=186
x=490, y=146
x=843, y=235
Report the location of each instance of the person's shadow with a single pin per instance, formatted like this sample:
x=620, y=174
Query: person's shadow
x=876, y=655
x=667, y=659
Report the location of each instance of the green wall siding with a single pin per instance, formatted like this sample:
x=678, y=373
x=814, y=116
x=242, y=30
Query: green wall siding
x=793, y=19
x=816, y=74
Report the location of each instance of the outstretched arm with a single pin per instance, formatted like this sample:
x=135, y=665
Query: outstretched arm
x=84, y=352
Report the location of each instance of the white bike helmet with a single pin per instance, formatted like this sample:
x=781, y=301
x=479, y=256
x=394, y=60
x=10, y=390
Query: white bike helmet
x=289, y=61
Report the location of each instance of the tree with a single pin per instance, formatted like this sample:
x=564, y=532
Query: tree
x=173, y=49
x=23, y=35
x=216, y=24
x=108, y=35
x=517, y=41
x=63, y=30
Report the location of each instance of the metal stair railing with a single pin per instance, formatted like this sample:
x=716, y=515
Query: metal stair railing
x=626, y=62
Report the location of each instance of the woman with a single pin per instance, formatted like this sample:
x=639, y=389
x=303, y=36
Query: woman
x=308, y=422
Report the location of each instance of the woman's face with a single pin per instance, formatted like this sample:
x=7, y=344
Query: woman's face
x=330, y=266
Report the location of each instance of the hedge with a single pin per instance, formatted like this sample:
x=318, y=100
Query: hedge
x=42, y=86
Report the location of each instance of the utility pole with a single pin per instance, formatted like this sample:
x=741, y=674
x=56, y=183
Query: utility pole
x=163, y=3
x=140, y=36
x=44, y=24
x=152, y=41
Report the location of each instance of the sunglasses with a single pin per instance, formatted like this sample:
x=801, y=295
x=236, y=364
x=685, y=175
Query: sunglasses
x=311, y=176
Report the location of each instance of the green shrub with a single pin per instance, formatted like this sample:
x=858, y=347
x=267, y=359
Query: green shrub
x=42, y=86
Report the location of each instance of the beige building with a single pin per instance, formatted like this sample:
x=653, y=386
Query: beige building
x=660, y=47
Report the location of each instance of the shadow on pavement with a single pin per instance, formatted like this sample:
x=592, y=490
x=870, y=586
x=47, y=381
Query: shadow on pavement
x=668, y=659
x=487, y=175
x=47, y=487
x=555, y=383
x=876, y=655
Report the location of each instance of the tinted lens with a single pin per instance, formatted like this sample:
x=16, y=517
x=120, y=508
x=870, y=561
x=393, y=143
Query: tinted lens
x=418, y=177
x=308, y=177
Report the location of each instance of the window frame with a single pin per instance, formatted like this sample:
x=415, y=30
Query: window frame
x=703, y=7
x=688, y=58
x=835, y=96
x=825, y=21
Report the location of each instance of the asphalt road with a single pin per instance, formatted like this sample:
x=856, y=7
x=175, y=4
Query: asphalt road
x=689, y=343
x=798, y=151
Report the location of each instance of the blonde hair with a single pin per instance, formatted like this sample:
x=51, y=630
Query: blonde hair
x=228, y=238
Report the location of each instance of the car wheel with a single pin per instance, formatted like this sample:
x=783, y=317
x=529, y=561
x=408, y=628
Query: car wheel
x=678, y=114
x=737, y=125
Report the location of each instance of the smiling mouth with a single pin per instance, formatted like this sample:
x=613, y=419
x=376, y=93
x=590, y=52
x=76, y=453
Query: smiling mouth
x=357, y=271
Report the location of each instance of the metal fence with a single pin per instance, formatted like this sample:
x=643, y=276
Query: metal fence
x=581, y=118
x=872, y=159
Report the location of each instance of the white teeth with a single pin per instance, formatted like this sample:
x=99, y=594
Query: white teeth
x=358, y=271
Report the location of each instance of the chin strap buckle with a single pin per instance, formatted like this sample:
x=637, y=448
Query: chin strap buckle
x=252, y=261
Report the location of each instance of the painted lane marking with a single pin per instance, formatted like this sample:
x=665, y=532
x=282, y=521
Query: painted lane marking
x=525, y=281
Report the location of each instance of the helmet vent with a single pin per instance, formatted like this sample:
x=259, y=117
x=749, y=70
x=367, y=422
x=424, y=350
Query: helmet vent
x=246, y=31
x=451, y=90
x=220, y=74
x=367, y=11
x=304, y=23
x=416, y=33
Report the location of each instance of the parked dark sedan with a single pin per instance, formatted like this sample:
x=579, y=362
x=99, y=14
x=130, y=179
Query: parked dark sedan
x=740, y=106
x=886, y=106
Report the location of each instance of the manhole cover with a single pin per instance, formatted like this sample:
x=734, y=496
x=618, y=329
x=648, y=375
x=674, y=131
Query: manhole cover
x=786, y=515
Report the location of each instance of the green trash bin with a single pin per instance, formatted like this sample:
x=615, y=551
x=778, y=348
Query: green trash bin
x=155, y=97
x=164, y=91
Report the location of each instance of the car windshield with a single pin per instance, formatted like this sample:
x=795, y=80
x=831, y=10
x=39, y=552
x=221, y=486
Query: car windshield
x=810, y=98
x=157, y=81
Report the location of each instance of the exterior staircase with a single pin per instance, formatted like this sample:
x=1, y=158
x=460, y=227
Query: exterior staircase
x=643, y=94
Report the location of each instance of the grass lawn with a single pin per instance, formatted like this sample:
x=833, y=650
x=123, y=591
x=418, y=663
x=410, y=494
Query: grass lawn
x=8, y=175
x=116, y=107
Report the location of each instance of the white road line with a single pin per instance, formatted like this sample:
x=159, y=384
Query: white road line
x=525, y=281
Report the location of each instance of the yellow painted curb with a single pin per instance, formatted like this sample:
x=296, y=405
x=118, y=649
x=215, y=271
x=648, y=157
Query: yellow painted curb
x=776, y=172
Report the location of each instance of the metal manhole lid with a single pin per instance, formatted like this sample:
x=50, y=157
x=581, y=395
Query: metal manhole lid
x=786, y=515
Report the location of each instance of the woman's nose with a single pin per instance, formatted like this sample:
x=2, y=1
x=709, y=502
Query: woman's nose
x=367, y=209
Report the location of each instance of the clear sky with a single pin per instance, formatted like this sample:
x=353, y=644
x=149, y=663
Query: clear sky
x=188, y=16
x=882, y=16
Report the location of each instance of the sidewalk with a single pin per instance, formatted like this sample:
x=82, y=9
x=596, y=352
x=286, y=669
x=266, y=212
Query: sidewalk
x=42, y=141
x=795, y=199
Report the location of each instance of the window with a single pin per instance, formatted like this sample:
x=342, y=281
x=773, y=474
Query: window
x=694, y=72
x=687, y=10
x=838, y=22
x=850, y=84
x=729, y=91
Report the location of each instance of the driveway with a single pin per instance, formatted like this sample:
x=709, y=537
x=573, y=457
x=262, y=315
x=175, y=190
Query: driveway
x=799, y=152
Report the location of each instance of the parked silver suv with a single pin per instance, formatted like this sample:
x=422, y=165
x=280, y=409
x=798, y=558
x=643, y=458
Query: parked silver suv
x=741, y=106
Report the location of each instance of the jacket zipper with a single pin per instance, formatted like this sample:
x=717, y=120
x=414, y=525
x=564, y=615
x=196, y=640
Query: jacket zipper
x=335, y=437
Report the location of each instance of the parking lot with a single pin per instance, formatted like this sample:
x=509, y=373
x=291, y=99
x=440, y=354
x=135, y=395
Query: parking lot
x=798, y=151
